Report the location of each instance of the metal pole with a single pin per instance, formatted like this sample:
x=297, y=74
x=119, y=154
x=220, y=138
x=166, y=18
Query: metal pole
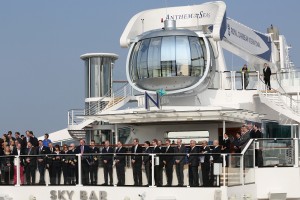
x=72, y=117
x=224, y=128
x=297, y=101
x=242, y=169
x=111, y=77
x=243, y=79
x=18, y=170
x=79, y=170
x=257, y=80
x=234, y=86
x=231, y=73
x=221, y=80
x=296, y=150
x=116, y=133
x=152, y=169
x=224, y=169
x=68, y=117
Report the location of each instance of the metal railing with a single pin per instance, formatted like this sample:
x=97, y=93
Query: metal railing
x=109, y=100
x=235, y=80
x=75, y=116
x=277, y=152
x=216, y=169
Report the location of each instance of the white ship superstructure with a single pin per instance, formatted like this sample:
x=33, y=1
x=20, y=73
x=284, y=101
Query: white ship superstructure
x=180, y=86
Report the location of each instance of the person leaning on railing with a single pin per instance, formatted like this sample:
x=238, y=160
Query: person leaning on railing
x=245, y=76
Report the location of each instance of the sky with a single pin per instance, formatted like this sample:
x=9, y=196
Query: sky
x=41, y=41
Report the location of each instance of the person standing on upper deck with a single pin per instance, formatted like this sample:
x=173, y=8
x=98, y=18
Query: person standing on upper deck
x=136, y=161
x=267, y=75
x=245, y=77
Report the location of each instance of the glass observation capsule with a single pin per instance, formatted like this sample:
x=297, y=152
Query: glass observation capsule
x=173, y=60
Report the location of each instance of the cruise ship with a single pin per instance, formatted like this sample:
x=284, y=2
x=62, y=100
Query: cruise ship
x=179, y=86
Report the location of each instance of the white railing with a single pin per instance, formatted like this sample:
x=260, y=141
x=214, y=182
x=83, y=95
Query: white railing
x=120, y=95
x=109, y=100
x=75, y=116
x=235, y=80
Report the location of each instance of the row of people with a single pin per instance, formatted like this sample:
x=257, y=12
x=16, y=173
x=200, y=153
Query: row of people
x=67, y=164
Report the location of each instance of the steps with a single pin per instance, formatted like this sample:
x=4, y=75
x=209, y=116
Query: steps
x=77, y=120
x=283, y=104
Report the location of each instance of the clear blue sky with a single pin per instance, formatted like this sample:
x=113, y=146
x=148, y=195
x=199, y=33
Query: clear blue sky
x=40, y=43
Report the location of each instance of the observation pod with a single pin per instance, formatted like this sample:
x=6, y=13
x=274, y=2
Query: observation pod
x=98, y=75
x=176, y=60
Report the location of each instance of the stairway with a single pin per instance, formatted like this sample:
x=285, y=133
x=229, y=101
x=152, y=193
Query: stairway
x=76, y=118
x=281, y=103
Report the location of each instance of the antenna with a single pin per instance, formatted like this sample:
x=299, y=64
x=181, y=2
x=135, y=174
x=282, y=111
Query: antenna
x=142, y=25
x=166, y=5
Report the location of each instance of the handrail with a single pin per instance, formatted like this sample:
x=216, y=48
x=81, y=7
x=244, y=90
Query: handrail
x=104, y=103
x=247, y=146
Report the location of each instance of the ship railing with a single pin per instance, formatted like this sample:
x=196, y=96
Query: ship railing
x=290, y=78
x=81, y=169
x=109, y=100
x=75, y=116
x=277, y=152
x=235, y=80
